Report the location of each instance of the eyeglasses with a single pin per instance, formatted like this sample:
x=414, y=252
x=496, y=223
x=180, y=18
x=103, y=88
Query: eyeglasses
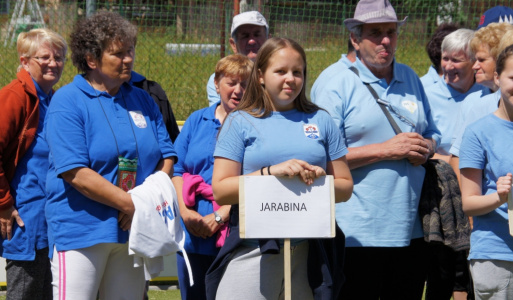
x=44, y=60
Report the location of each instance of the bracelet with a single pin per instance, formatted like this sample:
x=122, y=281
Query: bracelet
x=262, y=171
x=269, y=170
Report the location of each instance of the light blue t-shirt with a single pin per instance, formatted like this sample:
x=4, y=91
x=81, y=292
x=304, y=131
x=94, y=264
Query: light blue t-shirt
x=383, y=210
x=28, y=191
x=342, y=64
x=213, y=96
x=487, y=145
x=445, y=102
x=471, y=111
x=281, y=136
x=80, y=133
x=430, y=78
x=259, y=142
x=195, y=149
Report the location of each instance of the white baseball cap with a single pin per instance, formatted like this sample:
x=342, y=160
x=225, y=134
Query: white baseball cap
x=251, y=18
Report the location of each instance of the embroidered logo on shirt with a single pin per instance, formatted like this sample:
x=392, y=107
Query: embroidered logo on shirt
x=138, y=118
x=411, y=106
x=311, y=131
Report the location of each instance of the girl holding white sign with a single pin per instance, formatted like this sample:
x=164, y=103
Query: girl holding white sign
x=276, y=131
x=486, y=166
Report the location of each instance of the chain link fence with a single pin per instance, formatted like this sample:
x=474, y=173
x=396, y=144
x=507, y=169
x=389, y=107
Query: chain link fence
x=180, y=41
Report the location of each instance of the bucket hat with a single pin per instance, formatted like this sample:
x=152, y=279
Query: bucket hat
x=373, y=11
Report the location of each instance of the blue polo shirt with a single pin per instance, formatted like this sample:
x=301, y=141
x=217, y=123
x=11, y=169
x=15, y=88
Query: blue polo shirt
x=89, y=128
x=383, y=209
x=28, y=191
x=195, y=149
x=430, y=78
x=341, y=65
x=471, y=111
x=445, y=103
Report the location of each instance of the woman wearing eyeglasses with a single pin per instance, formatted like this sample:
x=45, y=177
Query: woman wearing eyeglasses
x=24, y=163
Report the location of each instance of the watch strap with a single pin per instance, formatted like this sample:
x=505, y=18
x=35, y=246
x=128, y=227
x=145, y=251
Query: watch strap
x=219, y=220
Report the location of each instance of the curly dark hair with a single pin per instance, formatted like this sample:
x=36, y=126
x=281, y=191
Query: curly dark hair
x=93, y=35
x=434, y=46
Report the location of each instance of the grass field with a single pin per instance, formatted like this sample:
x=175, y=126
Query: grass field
x=184, y=77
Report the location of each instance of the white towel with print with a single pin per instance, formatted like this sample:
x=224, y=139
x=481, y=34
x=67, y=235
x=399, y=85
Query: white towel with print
x=156, y=230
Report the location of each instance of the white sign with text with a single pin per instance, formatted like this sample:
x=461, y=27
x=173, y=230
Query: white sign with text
x=282, y=207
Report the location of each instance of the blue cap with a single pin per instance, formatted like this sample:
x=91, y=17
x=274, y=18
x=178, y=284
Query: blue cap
x=497, y=14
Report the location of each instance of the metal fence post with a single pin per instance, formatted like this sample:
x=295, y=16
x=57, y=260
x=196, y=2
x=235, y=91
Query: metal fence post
x=90, y=7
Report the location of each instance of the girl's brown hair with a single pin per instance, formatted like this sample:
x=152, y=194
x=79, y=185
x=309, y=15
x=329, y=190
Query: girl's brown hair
x=256, y=100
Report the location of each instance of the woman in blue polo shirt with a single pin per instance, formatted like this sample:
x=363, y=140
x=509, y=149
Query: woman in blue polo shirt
x=24, y=162
x=195, y=148
x=105, y=137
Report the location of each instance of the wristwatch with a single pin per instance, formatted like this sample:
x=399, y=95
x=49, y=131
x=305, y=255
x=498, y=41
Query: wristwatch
x=218, y=219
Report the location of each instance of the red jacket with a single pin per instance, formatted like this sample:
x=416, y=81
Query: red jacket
x=19, y=118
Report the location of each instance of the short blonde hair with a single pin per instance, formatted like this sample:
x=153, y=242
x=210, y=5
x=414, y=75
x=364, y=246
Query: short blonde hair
x=506, y=40
x=490, y=36
x=29, y=42
x=235, y=65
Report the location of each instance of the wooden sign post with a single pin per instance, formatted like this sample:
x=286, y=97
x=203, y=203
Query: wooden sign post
x=283, y=208
x=286, y=270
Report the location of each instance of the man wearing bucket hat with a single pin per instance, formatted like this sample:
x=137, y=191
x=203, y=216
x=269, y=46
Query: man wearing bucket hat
x=385, y=249
x=249, y=32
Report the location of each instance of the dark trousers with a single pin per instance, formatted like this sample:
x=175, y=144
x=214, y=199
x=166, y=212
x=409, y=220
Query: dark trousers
x=463, y=281
x=29, y=279
x=448, y=271
x=199, y=264
x=385, y=272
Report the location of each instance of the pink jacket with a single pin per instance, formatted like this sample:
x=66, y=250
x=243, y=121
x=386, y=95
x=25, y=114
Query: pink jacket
x=195, y=185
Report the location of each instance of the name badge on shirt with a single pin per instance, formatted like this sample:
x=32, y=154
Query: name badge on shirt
x=311, y=131
x=138, y=118
x=411, y=106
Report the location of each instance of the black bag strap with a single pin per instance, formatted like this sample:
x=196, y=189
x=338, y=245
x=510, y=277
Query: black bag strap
x=382, y=105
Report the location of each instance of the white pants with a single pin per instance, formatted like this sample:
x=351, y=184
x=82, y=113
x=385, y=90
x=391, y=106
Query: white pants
x=105, y=268
x=253, y=276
